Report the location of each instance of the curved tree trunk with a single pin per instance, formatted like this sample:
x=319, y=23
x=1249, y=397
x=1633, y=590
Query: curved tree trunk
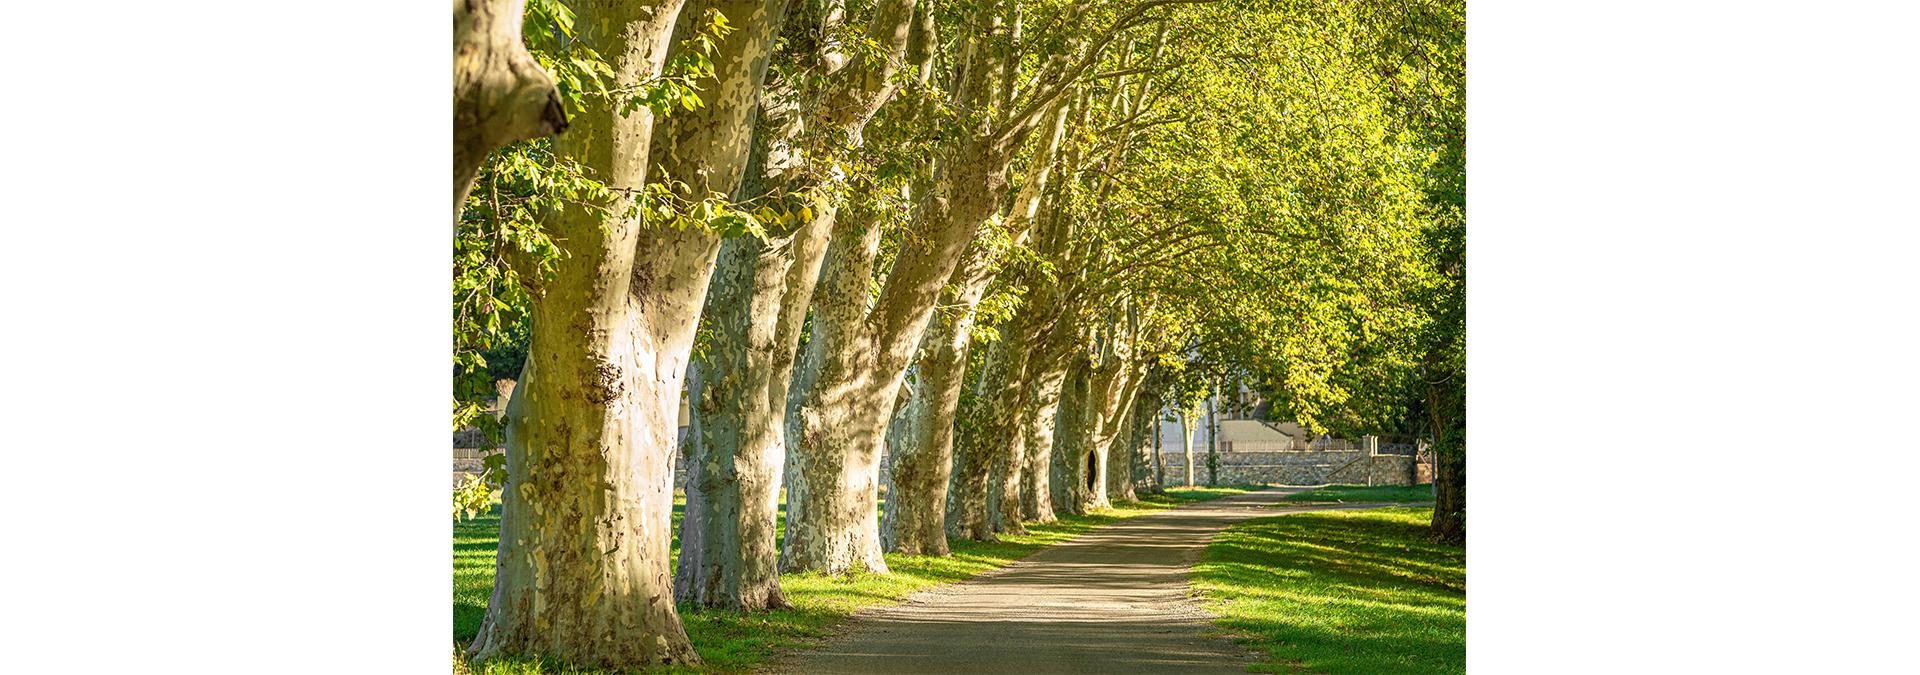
x=856, y=360
x=500, y=95
x=583, y=558
x=760, y=304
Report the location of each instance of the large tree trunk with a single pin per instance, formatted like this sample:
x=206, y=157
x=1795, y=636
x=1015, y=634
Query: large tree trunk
x=836, y=419
x=923, y=455
x=1125, y=454
x=1073, y=449
x=500, y=95
x=1004, y=507
x=727, y=554
x=1036, y=494
x=856, y=361
x=760, y=306
x=582, y=571
x=966, y=506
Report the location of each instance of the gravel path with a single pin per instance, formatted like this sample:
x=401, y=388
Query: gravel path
x=1112, y=601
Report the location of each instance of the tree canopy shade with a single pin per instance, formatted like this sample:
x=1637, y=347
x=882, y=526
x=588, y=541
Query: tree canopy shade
x=984, y=241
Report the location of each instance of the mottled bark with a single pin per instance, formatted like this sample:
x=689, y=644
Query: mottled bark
x=727, y=554
x=923, y=454
x=1073, y=435
x=770, y=309
x=1036, y=491
x=582, y=572
x=966, y=505
x=500, y=94
x=993, y=443
x=834, y=430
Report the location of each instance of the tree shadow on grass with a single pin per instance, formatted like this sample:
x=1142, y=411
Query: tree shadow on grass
x=1341, y=592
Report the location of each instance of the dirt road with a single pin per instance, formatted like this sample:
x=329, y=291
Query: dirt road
x=1113, y=601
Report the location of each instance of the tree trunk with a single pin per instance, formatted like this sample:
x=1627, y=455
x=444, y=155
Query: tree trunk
x=1036, y=495
x=727, y=554
x=984, y=445
x=758, y=308
x=1186, y=444
x=1213, y=446
x=836, y=419
x=582, y=572
x=1160, y=466
x=500, y=95
x=1446, y=412
x=1074, y=443
x=840, y=403
x=858, y=358
x=923, y=459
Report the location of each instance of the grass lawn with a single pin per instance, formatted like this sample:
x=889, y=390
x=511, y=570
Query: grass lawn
x=1365, y=493
x=731, y=642
x=1341, y=592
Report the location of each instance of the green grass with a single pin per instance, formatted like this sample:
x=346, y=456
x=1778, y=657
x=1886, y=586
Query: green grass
x=730, y=642
x=1340, y=592
x=1365, y=493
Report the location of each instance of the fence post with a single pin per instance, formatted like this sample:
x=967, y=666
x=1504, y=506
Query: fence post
x=1370, y=448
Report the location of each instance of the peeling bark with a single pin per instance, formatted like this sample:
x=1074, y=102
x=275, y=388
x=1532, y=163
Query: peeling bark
x=500, y=94
x=727, y=554
x=1036, y=492
x=923, y=451
x=583, y=556
x=761, y=303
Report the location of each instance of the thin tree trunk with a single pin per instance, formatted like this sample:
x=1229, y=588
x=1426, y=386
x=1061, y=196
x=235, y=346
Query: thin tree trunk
x=1186, y=444
x=582, y=573
x=500, y=94
x=1160, y=466
x=1213, y=446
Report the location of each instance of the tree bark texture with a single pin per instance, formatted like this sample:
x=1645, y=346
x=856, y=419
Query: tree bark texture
x=923, y=456
x=500, y=94
x=832, y=489
x=1073, y=439
x=1036, y=491
x=727, y=554
x=1446, y=412
x=582, y=572
x=837, y=415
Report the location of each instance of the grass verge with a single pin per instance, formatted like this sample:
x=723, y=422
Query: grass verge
x=1340, y=592
x=1365, y=493
x=730, y=642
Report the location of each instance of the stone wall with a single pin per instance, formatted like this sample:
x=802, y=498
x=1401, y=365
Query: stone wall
x=1293, y=467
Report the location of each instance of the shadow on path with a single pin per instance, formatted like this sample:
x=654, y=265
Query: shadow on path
x=1112, y=601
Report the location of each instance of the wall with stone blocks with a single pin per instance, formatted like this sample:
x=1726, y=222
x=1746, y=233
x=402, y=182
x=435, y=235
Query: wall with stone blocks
x=1294, y=468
